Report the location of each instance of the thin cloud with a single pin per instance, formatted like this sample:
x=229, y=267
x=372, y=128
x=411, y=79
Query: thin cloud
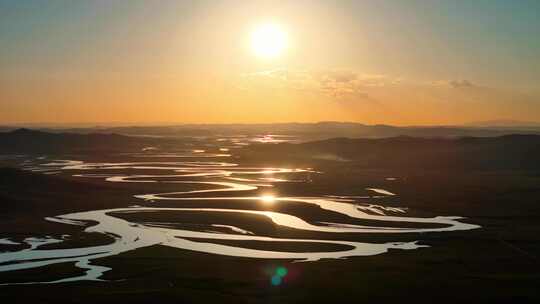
x=461, y=84
x=334, y=83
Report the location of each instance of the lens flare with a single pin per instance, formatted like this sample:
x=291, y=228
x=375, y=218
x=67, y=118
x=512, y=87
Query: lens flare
x=278, y=276
x=276, y=280
x=281, y=271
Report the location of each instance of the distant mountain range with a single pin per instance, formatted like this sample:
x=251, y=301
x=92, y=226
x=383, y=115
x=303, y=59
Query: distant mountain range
x=310, y=131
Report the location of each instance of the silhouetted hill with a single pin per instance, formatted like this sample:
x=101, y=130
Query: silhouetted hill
x=32, y=141
x=504, y=152
x=6, y=129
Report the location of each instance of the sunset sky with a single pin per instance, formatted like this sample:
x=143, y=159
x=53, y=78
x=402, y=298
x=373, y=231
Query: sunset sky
x=152, y=62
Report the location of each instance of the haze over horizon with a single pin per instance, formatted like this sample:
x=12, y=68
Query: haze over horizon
x=373, y=62
x=511, y=124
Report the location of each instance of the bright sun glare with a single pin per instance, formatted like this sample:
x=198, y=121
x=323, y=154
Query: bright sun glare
x=269, y=199
x=268, y=40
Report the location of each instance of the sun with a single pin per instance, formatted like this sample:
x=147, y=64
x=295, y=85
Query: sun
x=268, y=40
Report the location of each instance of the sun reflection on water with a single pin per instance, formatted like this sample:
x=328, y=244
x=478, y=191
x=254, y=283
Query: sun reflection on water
x=268, y=199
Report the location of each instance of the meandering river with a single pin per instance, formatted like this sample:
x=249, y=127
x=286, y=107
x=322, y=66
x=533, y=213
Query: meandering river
x=230, y=181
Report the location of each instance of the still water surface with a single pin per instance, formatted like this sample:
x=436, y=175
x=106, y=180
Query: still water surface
x=229, y=180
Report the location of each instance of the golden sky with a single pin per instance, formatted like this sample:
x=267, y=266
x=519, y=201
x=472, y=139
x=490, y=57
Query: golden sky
x=393, y=62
